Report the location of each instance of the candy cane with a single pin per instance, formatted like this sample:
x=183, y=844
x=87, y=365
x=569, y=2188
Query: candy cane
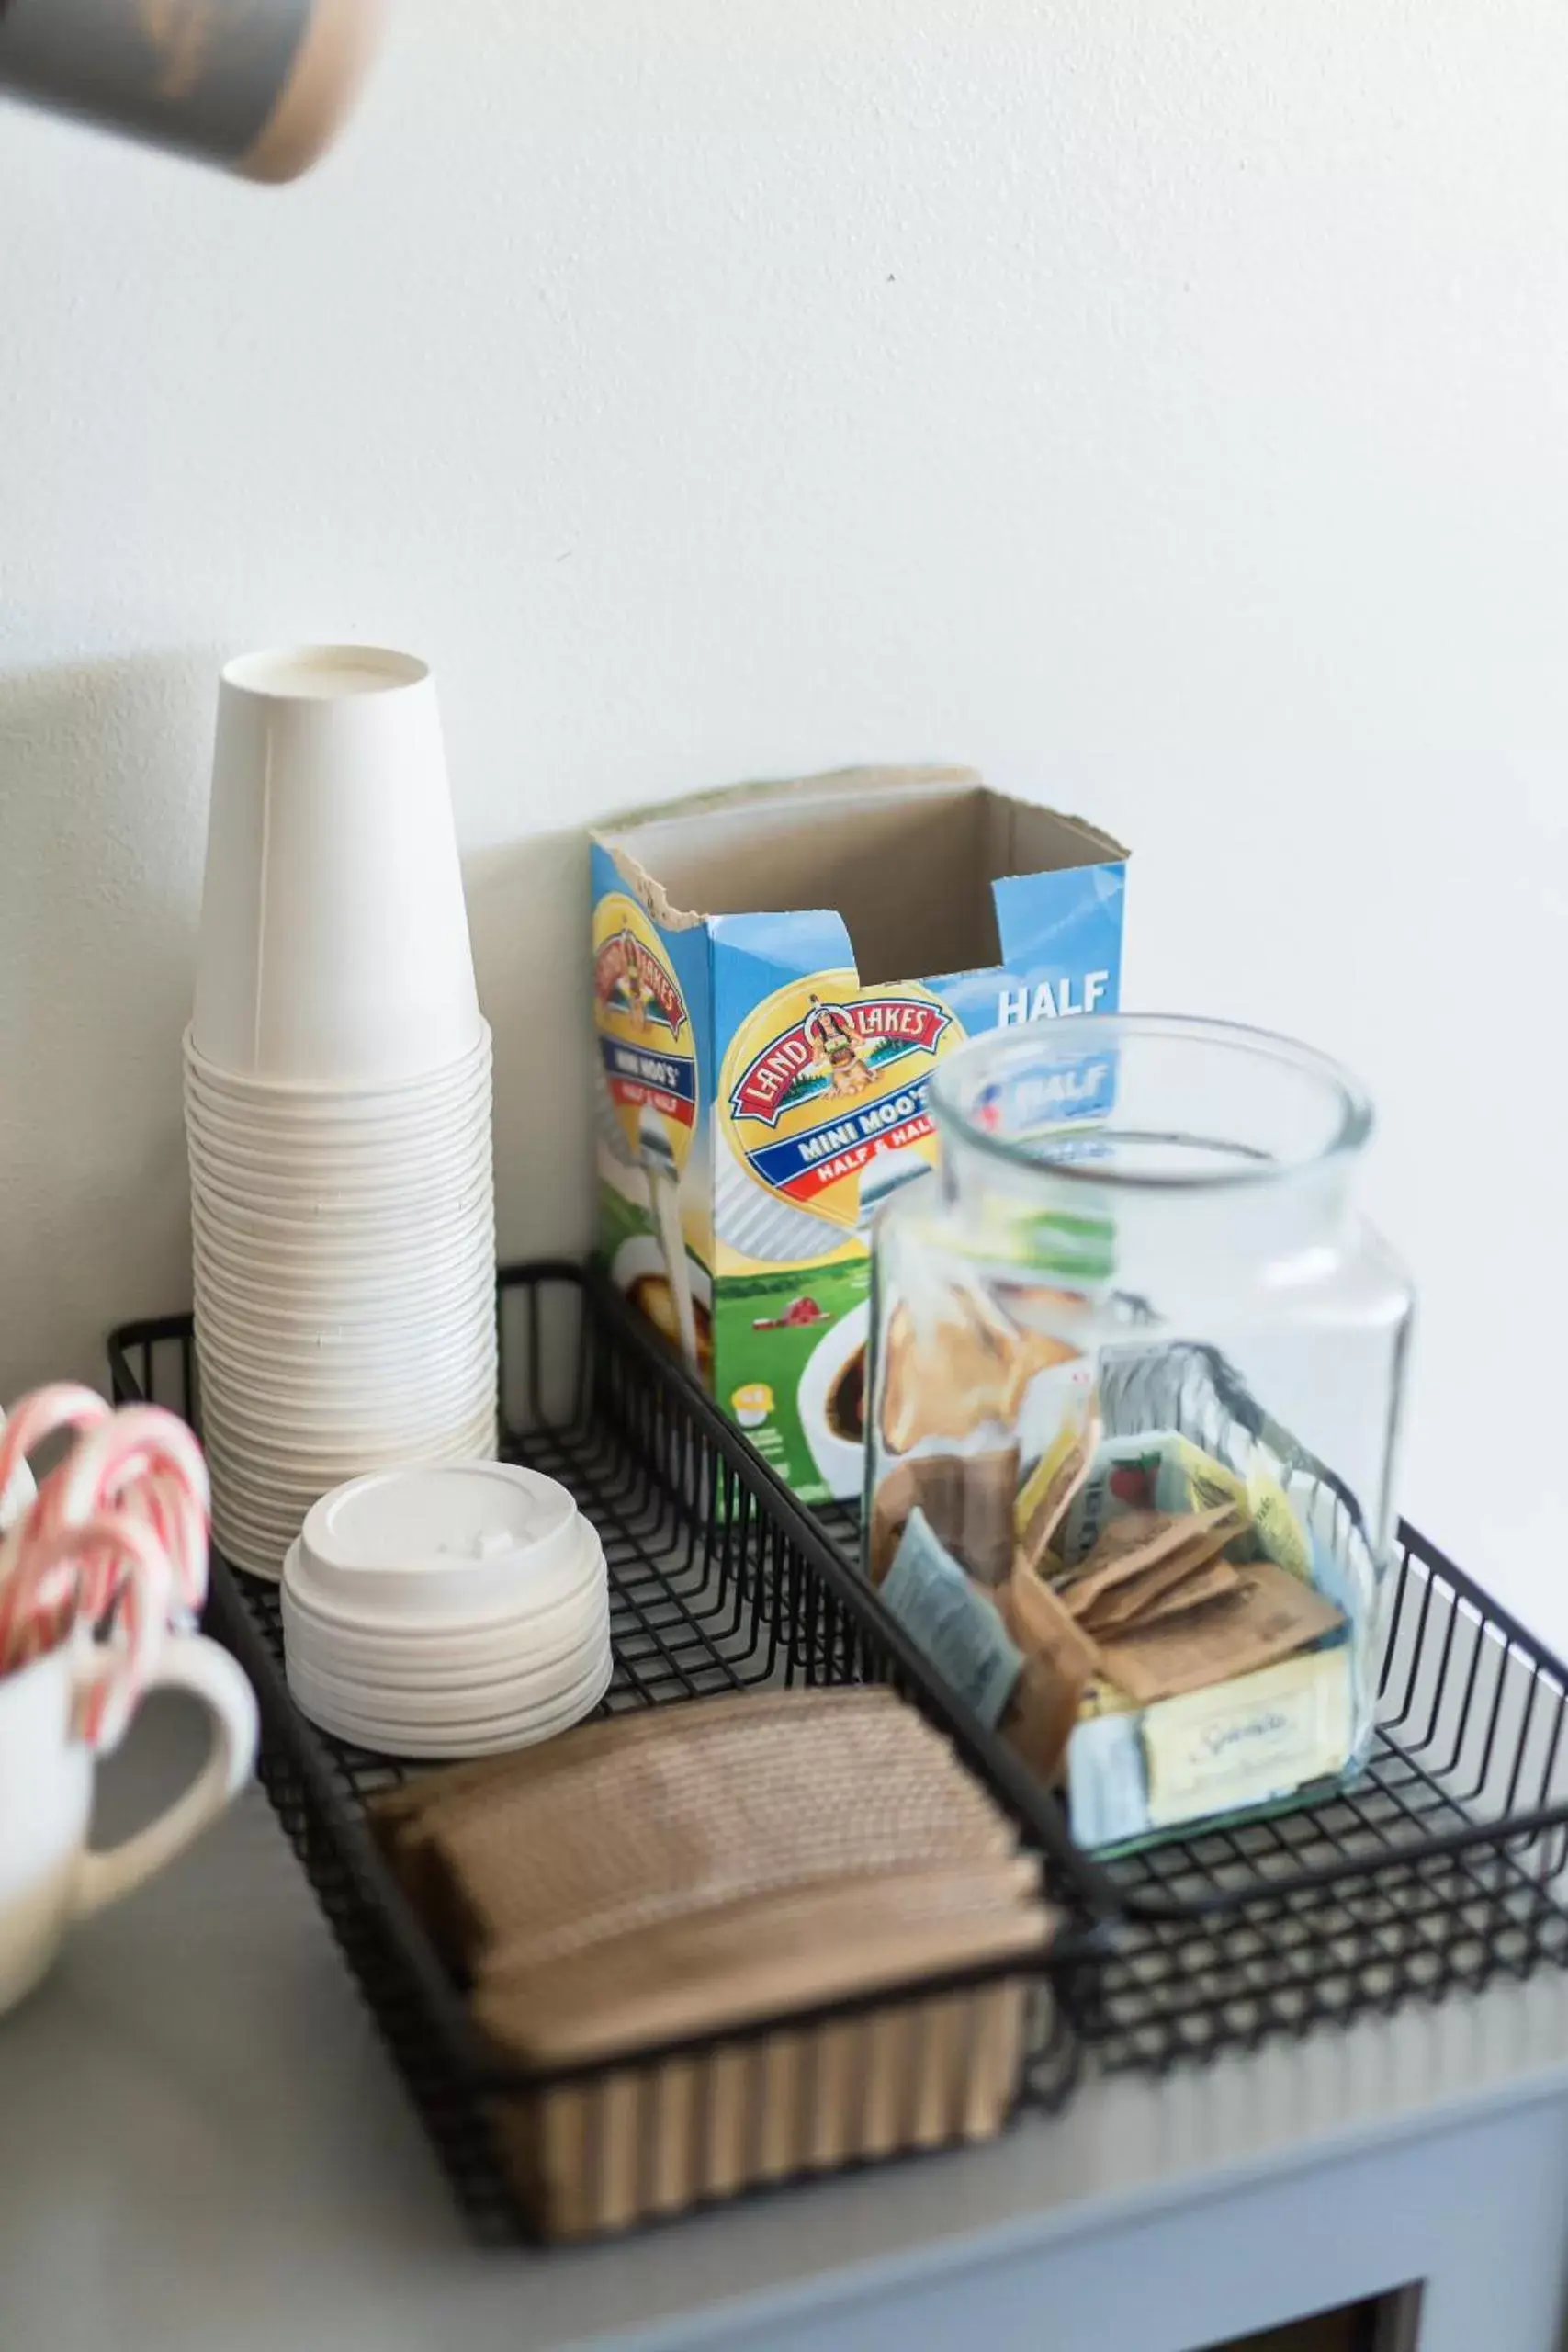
x=65, y=1405
x=121, y=1668
x=45, y=1580
x=179, y=1522
x=116, y=1535
x=145, y=1458
x=38, y=1605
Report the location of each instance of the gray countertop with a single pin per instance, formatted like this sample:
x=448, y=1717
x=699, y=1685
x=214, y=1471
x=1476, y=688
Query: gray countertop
x=202, y=2143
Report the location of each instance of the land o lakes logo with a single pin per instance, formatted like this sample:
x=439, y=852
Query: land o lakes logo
x=628, y=978
x=646, y=1039
x=821, y=1079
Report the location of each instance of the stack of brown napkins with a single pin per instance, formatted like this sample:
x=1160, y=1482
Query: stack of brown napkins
x=698, y=1869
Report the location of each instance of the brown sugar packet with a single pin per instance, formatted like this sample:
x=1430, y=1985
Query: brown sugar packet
x=1061, y=1660
x=968, y=1501
x=1273, y=1614
x=1218, y=1582
x=1044, y=1626
x=1128, y=1602
x=680, y=1825
x=1042, y=1716
x=1135, y=1548
x=759, y=1957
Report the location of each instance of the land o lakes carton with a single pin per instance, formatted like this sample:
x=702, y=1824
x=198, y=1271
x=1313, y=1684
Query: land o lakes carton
x=764, y=1054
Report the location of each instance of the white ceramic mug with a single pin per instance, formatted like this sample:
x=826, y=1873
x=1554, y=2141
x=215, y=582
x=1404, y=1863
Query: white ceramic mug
x=49, y=1877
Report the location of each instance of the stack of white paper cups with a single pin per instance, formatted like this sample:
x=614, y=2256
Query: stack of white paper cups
x=337, y=1099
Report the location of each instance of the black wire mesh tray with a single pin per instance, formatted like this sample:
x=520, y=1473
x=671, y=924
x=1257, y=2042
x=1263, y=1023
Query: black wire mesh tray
x=1441, y=1866
x=713, y=1589
x=1440, y=1870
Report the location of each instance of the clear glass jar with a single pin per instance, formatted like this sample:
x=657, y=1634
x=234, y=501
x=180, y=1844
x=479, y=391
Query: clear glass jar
x=1137, y=1365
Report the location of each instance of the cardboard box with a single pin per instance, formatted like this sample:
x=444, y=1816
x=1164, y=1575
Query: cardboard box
x=777, y=970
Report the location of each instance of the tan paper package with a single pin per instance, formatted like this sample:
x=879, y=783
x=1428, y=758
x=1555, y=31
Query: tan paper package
x=1272, y=1615
x=1139, y=1559
x=762, y=1806
x=910, y=2072
x=596, y=1759
x=759, y=1957
x=746, y=1858
x=1061, y=1660
x=404, y=1814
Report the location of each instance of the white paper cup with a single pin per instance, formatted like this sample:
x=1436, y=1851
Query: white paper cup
x=271, y=1527
x=281, y=1407
x=267, y=1494
x=373, y=1158
x=311, y=1310
x=319, y=1458
x=392, y=1196
x=315, y=1360
x=272, y=1279
x=263, y=1428
x=255, y=1239
x=270, y=1441
x=351, y=1150
x=334, y=947
x=315, y=1326
x=310, y=1354
x=459, y=1112
x=246, y=1245
x=306, y=1111
x=234, y=1265
x=278, y=1283
x=320, y=1444
x=272, y=1377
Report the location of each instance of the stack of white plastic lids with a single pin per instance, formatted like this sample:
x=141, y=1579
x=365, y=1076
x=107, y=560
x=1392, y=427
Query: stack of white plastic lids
x=337, y=1099
x=444, y=1612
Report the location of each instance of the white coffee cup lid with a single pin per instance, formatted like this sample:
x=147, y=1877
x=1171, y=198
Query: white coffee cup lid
x=442, y=1541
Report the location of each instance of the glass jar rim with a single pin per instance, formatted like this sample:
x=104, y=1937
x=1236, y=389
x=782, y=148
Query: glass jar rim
x=994, y=1049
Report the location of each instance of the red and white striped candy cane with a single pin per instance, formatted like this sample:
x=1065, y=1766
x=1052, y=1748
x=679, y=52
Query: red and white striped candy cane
x=41, y=1590
x=146, y=1463
x=178, y=1520
x=64, y=1406
x=116, y=1669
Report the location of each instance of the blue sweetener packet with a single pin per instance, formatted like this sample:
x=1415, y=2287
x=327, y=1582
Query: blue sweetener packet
x=960, y=1631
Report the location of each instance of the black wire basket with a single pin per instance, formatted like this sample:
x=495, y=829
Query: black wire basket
x=714, y=1588
x=1437, y=1869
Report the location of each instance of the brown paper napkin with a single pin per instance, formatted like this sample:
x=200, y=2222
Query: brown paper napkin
x=645, y=1831
x=759, y=1957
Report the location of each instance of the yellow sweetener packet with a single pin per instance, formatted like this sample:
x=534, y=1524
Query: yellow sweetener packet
x=1261, y=1498
x=1047, y=1493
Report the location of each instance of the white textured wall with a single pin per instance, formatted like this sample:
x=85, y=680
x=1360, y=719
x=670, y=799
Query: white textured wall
x=1163, y=404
